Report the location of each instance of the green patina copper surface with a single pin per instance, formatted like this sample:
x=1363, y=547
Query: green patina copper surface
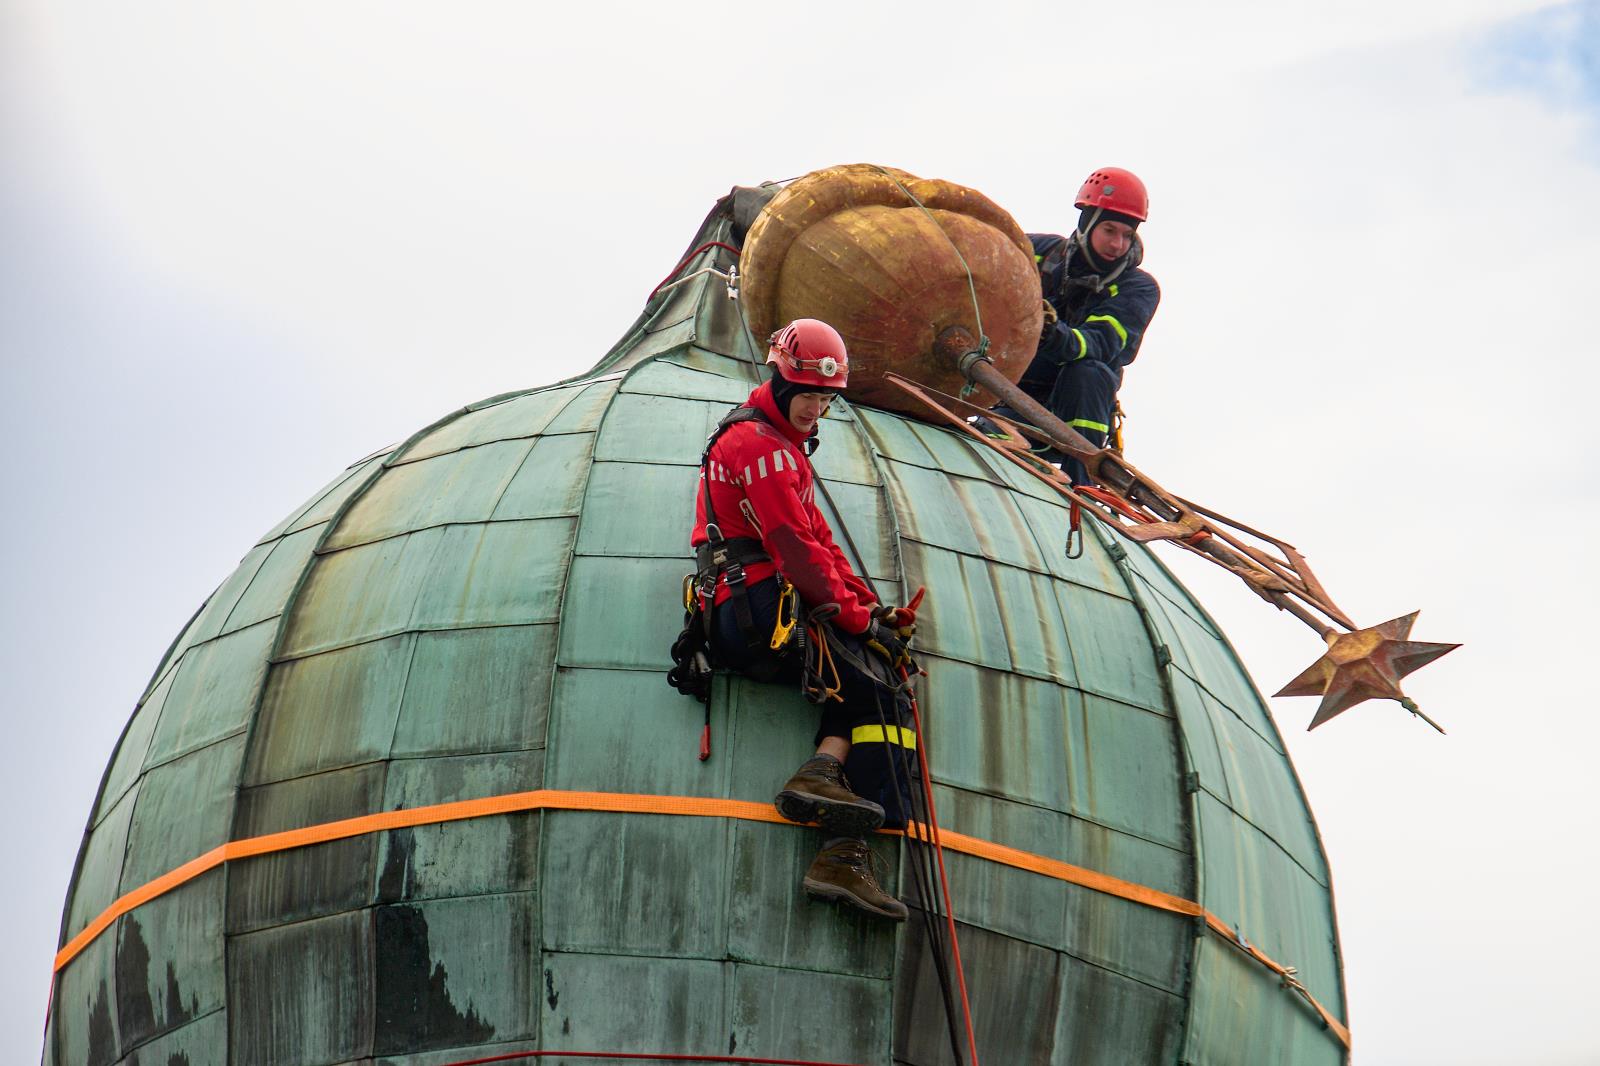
x=487, y=608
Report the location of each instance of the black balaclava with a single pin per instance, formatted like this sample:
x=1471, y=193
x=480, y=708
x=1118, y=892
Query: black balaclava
x=784, y=390
x=1088, y=219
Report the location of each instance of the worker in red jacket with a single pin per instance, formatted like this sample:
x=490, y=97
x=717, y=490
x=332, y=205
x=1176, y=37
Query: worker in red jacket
x=757, y=535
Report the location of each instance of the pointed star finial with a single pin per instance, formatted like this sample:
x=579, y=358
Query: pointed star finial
x=1366, y=664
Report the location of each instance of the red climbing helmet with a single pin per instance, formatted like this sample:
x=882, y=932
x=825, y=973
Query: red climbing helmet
x=810, y=352
x=1115, y=189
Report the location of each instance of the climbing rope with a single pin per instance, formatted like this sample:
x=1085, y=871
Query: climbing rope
x=816, y=672
x=983, y=338
x=926, y=816
x=732, y=278
x=944, y=881
x=689, y=259
x=750, y=338
x=921, y=866
x=972, y=286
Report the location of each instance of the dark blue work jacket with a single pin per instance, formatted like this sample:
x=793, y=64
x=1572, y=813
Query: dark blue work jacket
x=1105, y=323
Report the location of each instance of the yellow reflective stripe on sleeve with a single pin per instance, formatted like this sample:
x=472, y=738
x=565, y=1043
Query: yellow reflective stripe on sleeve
x=1084, y=423
x=1121, y=332
x=1037, y=258
x=874, y=734
x=1083, y=346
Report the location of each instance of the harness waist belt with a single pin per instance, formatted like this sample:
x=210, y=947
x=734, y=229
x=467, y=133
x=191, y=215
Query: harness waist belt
x=741, y=550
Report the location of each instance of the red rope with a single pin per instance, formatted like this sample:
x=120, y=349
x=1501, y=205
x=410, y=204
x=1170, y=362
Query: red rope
x=686, y=261
x=512, y=1056
x=944, y=881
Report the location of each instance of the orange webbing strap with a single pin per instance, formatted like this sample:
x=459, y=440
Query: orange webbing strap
x=548, y=799
x=1285, y=973
x=542, y=799
x=1064, y=871
x=1135, y=892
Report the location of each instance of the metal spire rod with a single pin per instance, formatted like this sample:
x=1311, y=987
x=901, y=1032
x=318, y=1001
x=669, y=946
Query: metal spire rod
x=1360, y=664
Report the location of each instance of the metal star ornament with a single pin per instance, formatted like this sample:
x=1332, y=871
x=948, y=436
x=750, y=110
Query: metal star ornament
x=1366, y=664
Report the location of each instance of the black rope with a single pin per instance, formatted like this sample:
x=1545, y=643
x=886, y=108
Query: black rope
x=924, y=870
x=921, y=860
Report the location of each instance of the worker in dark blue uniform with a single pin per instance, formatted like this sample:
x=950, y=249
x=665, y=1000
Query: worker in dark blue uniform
x=1098, y=303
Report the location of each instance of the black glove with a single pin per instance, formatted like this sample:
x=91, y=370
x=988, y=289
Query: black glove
x=887, y=644
x=901, y=620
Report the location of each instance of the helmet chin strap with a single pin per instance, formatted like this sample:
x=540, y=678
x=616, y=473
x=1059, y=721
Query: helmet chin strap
x=1094, y=220
x=1081, y=235
x=1104, y=274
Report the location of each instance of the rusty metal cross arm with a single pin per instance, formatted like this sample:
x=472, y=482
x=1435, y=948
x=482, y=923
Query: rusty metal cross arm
x=1360, y=664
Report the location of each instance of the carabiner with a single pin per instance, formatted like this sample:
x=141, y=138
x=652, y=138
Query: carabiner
x=788, y=615
x=1075, y=532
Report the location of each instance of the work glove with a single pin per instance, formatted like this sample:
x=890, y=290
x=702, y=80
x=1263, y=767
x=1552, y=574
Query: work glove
x=1048, y=327
x=902, y=620
x=887, y=645
x=1050, y=316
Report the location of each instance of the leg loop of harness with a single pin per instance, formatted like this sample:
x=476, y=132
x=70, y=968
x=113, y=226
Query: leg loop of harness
x=827, y=636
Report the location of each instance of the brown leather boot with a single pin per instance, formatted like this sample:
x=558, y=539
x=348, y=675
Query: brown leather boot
x=818, y=792
x=842, y=871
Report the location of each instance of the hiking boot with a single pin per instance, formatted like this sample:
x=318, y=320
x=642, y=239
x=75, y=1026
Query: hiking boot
x=842, y=871
x=818, y=792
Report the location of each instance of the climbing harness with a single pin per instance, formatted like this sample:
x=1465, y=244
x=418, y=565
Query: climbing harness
x=722, y=561
x=719, y=559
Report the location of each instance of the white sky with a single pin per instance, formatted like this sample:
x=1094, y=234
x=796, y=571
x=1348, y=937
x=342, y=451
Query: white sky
x=242, y=246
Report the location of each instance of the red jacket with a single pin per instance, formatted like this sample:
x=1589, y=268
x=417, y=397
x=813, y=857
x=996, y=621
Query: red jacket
x=763, y=462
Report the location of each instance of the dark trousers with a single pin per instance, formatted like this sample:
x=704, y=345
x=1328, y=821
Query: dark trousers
x=873, y=717
x=1082, y=393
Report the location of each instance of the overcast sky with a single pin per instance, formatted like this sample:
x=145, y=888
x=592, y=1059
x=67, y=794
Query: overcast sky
x=241, y=247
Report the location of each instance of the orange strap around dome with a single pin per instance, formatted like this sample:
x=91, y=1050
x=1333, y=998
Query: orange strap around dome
x=634, y=803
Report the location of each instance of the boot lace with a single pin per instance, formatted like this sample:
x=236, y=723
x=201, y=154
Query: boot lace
x=831, y=770
x=858, y=855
